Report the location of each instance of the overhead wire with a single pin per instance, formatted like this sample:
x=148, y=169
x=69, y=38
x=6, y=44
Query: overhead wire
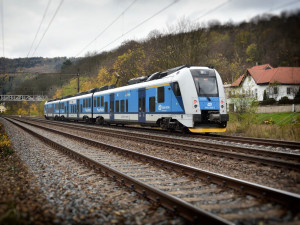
x=38, y=30
x=140, y=24
x=212, y=10
x=284, y=5
x=106, y=28
x=56, y=11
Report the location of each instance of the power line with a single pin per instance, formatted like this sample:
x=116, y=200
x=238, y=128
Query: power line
x=105, y=29
x=212, y=10
x=140, y=24
x=56, y=11
x=284, y=5
x=38, y=30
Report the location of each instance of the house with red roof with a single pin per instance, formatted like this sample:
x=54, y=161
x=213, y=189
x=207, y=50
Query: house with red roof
x=276, y=82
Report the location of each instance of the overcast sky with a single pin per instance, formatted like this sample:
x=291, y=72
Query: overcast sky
x=78, y=22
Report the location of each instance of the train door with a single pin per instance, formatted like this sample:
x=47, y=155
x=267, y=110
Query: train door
x=111, y=106
x=77, y=108
x=142, y=105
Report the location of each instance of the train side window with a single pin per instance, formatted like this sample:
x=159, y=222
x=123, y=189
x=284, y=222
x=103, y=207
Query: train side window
x=126, y=105
x=117, y=106
x=98, y=101
x=102, y=101
x=81, y=108
x=152, y=104
x=106, y=107
x=95, y=104
x=122, y=106
x=160, y=94
x=83, y=103
x=176, y=89
x=65, y=109
x=90, y=102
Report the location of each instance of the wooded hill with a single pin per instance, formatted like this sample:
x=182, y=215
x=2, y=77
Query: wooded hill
x=230, y=48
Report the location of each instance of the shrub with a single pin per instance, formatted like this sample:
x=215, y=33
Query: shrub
x=270, y=101
x=285, y=100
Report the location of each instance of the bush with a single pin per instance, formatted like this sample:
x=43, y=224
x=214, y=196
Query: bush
x=285, y=100
x=270, y=101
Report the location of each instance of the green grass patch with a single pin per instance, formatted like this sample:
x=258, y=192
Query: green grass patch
x=284, y=126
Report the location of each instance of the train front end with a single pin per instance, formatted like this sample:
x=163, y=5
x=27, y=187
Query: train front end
x=205, y=100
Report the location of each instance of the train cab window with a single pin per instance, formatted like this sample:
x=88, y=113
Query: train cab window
x=122, y=106
x=98, y=101
x=90, y=102
x=176, y=89
x=106, y=107
x=160, y=94
x=117, y=106
x=152, y=104
x=126, y=105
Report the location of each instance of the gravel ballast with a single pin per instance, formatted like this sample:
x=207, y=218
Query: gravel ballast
x=74, y=194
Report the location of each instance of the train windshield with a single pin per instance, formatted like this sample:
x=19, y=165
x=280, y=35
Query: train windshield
x=205, y=82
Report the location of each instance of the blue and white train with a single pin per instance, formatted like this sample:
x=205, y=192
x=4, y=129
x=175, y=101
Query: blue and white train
x=183, y=98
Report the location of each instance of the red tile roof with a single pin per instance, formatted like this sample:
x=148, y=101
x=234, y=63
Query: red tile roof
x=265, y=74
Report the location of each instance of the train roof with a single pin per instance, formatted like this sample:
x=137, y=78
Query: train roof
x=140, y=82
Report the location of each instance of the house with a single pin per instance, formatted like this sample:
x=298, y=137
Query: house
x=264, y=80
x=2, y=109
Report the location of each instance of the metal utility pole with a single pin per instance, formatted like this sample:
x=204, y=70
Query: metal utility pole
x=78, y=81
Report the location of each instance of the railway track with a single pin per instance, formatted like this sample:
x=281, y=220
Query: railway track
x=222, y=138
x=200, y=196
x=258, y=156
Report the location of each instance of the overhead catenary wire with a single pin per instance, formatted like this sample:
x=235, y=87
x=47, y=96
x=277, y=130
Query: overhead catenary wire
x=38, y=30
x=284, y=5
x=106, y=28
x=56, y=11
x=140, y=24
x=212, y=10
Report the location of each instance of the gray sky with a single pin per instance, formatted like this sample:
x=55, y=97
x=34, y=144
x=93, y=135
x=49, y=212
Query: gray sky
x=78, y=22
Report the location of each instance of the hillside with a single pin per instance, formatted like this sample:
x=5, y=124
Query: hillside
x=230, y=48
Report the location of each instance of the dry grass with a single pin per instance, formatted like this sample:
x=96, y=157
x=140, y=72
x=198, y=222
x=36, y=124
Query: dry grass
x=287, y=132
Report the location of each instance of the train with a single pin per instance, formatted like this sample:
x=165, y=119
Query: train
x=185, y=98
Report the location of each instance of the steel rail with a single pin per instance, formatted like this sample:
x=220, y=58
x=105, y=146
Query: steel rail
x=190, y=145
x=176, y=205
x=287, y=198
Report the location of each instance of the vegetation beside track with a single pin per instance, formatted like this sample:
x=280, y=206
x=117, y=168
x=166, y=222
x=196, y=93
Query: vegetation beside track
x=20, y=202
x=284, y=126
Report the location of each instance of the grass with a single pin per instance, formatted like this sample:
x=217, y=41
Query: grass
x=283, y=126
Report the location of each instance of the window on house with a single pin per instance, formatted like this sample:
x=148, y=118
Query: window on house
x=160, y=94
x=275, y=90
x=288, y=91
x=255, y=93
x=152, y=104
